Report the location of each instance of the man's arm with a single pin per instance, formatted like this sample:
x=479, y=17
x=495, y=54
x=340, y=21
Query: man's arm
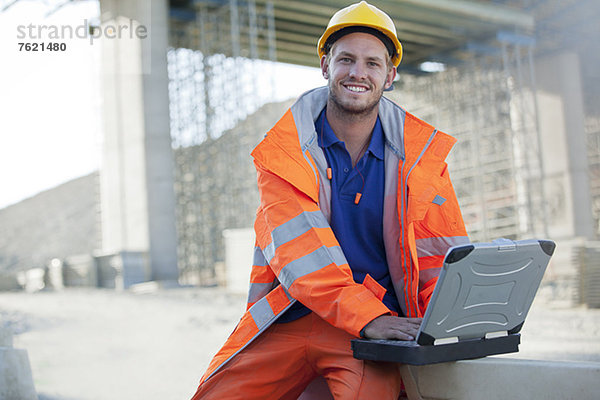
x=304, y=254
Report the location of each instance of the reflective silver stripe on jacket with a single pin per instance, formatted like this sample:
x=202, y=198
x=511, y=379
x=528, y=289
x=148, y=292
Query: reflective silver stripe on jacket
x=259, y=290
x=263, y=316
x=262, y=313
x=294, y=228
x=407, y=260
x=438, y=246
x=320, y=258
x=305, y=112
x=258, y=258
x=425, y=275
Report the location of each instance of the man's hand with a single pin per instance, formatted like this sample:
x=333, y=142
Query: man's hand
x=388, y=327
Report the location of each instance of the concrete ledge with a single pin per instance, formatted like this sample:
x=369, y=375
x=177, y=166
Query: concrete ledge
x=16, y=381
x=502, y=378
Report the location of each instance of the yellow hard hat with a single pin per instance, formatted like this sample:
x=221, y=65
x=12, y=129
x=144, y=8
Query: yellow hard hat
x=366, y=15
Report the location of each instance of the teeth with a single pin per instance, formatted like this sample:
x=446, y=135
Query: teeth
x=356, y=88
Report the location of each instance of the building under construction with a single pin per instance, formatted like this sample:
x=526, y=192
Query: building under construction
x=516, y=82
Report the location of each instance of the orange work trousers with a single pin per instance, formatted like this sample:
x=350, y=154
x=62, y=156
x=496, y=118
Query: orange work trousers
x=281, y=362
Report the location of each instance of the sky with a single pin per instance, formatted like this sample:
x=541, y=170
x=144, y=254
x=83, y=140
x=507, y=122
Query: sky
x=50, y=121
x=50, y=101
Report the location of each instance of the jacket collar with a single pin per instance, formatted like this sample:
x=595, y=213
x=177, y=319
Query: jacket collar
x=307, y=108
x=284, y=149
x=328, y=138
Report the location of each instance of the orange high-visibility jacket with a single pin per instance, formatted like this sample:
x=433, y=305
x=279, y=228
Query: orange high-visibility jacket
x=297, y=256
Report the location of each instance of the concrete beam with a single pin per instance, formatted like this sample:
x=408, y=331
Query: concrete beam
x=493, y=13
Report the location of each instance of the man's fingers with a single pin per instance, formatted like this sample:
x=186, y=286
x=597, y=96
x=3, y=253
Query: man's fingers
x=401, y=323
x=406, y=328
x=402, y=336
x=410, y=330
x=407, y=332
x=388, y=327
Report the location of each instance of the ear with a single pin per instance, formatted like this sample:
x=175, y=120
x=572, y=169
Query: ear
x=389, y=79
x=324, y=67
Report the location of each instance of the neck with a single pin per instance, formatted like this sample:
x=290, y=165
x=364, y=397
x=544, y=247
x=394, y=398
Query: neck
x=353, y=129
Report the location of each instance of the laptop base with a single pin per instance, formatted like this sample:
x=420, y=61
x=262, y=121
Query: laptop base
x=413, y=354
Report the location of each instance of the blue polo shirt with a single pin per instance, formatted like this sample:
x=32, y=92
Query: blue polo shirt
x=358, y=227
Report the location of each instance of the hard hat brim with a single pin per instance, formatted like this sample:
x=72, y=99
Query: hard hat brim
x=396, y=58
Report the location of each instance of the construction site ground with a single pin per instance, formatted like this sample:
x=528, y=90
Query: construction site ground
x=99, y=344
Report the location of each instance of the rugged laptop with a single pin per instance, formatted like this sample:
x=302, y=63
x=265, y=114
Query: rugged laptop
x=477, y=308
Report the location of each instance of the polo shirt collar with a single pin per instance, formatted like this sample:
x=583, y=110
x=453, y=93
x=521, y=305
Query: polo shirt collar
x=327, y=137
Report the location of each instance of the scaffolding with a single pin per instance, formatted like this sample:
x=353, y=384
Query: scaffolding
x=488, y=103
x=528, y=167
x=218, y=75
x=495, y=168
x=486, y=98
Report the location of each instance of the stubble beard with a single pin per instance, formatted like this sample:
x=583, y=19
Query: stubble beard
x=348, y=110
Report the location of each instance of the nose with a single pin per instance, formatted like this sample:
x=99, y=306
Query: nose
x=358, y=71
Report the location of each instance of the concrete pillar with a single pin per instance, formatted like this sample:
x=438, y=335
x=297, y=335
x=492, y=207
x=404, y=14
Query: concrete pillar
x=561, y=121
x=16, y=380
x=137, y=195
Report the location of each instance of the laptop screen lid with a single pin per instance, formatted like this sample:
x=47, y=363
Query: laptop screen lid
x=484, y=290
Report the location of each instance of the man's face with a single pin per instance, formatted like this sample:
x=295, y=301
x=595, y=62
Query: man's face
x=357, y=70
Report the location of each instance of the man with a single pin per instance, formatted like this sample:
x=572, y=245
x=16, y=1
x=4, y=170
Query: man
x=356, y=213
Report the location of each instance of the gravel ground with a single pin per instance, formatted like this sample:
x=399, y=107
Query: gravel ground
x=94, y=344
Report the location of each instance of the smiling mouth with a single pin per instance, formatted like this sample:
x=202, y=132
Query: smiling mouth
x=356, y=89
